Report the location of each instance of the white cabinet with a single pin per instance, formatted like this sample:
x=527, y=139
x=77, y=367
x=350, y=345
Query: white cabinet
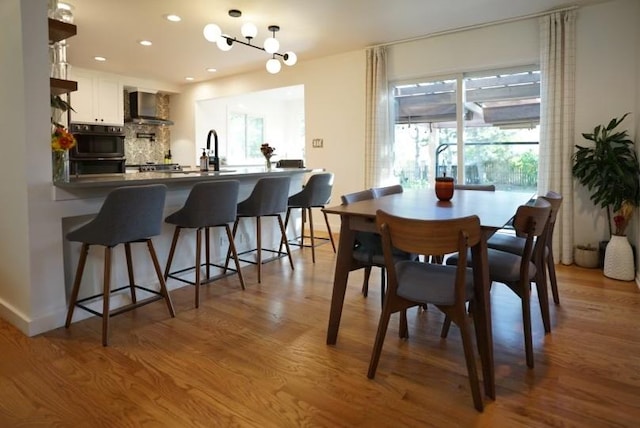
x=98, y=100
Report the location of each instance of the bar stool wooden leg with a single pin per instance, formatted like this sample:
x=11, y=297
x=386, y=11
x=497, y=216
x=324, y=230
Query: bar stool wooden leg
x=208, y=251
x=234, y=252
x=233, y=235
x=197, y=265
x=132, y=281
x=304, y=221
x=163, y=284
x=76, y=283
x=106, y=296
x=284, y=240
x=313, y=240
x=167, y=269
x=259, y=246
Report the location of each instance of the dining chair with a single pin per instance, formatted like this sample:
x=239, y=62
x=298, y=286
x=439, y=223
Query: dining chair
x=518, y=271
x=128, y=215
x=379, y=192
x=515, y=244
x=414, y=283
x=315, y=194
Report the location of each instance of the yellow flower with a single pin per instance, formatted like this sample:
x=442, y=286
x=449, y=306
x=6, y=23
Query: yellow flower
x=61, y=139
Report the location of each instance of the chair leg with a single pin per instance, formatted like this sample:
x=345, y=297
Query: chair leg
x=207, y=252
x=383, y=285
x=552, y=276
x=172, y=250
x=234, y=252
x=469, y=357
x=313, y=239
x=284, y=240
x=286, y=223
x=543, y=298
x=106, y=294
x=445, y=327
x=163, y=284
x=132, y=281
x=197, y=265
x=304, y=221
x=526, y=323
x=233, y=234
x=377, y=347
x=76, y=283
x=259, y=247
x=365, y=282
x=326, y=220
x=403, y=330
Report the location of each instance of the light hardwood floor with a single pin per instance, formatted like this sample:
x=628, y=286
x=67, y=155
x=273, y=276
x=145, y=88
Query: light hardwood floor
x=258, y=358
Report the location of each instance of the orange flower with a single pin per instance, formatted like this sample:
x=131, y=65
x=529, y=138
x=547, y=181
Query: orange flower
x=61, y=139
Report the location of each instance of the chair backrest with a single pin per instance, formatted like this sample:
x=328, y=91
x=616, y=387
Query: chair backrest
x=485, y=187
x=316, y=193
x=555, y=200
x=208, y=204
x=269, y=196
x=128, y=214
x=428, y=237
x=362, y=195
x=530, y=222
x=379, y=192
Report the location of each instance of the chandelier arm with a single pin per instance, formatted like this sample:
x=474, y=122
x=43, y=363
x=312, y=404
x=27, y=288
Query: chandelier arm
x=231, y=40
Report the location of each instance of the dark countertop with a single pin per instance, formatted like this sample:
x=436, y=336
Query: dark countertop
x=169, y=177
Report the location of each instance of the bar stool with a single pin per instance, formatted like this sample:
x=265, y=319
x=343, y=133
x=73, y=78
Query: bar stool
x=315, y=194
x=209, y=204
x=128, y=215
x=268, y=199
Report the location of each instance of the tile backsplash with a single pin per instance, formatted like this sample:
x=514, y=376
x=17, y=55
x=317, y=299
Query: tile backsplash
x=147, y=143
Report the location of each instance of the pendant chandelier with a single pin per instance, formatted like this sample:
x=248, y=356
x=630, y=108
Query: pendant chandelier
x=213, y=34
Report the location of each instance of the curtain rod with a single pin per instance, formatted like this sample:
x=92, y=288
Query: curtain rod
x=475, y=27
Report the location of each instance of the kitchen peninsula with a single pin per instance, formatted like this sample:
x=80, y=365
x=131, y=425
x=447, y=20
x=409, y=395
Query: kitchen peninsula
x=78, y=200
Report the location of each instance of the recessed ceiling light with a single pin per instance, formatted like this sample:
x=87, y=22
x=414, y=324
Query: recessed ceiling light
x=189, y=78
x=99, y=58
x=211, y=70
x=172, y=18
x=145, y=42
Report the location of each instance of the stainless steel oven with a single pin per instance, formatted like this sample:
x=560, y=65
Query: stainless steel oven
x=99, y=149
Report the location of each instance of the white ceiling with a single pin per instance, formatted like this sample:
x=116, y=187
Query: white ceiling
x=310, y=28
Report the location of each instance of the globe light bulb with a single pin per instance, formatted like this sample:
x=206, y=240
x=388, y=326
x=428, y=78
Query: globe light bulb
x=249, y=30
x=223, y=43
x=290, y=58
x=212, y=32
x=271, y=45
x=273, y=66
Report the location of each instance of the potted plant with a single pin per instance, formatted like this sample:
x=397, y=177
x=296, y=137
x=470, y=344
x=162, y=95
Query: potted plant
x=609, y=169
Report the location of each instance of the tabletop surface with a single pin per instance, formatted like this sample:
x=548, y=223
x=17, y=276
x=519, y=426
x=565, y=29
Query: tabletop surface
x=493, y=208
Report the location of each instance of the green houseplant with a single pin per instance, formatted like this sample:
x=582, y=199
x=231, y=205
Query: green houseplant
x=609, y=169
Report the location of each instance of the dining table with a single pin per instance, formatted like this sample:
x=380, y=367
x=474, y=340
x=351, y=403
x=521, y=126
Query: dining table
x=494, y=209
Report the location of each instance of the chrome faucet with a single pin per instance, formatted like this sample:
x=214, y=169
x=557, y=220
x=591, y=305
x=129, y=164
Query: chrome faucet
x=213, y=160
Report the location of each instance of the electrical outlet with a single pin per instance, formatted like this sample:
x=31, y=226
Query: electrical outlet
x=317, y=143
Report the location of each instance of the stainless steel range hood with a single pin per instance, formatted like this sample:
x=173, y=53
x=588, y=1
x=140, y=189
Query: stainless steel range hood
x=144, y=109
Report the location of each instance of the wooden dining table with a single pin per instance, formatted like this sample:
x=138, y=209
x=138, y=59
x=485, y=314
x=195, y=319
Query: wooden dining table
x=494, y=208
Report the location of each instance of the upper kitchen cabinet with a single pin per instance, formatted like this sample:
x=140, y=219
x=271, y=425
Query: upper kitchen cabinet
x=98, y=100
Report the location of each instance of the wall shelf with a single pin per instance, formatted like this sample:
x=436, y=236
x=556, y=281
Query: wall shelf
x=59, y=30
x=60, y=86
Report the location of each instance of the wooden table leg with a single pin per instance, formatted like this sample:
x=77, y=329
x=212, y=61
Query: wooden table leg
x=482, y=316
x=343, y=266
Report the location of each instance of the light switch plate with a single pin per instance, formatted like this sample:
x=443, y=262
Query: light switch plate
x=317, y=143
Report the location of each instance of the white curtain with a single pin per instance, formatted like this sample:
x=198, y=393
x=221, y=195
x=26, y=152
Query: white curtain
x=557, y=121
x=378, y=146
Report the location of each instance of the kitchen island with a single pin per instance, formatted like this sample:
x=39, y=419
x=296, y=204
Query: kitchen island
x=78, y=200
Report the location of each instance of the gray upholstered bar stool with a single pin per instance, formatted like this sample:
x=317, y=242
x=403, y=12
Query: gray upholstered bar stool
x=128, y=215
x=209, y=204
x=268, y=199
x=315, y=194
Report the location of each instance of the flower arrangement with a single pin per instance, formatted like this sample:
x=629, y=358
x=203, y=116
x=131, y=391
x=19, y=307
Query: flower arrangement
x=622, y=217
x=267, y=151
x=61, y=139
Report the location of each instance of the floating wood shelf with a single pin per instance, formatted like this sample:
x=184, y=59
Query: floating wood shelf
x=59, y=86
x=59, y=30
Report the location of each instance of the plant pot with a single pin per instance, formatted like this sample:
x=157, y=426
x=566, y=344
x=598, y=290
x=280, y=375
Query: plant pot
x=586, y=256
x=618, y=259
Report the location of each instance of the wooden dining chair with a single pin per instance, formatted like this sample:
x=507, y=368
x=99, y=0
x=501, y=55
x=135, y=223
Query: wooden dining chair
x=379, y=192
x=483, y=187
x=518, y=271
x=414, y=283
x=515, y=244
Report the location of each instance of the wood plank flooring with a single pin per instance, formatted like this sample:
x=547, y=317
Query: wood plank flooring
x=258, y=358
